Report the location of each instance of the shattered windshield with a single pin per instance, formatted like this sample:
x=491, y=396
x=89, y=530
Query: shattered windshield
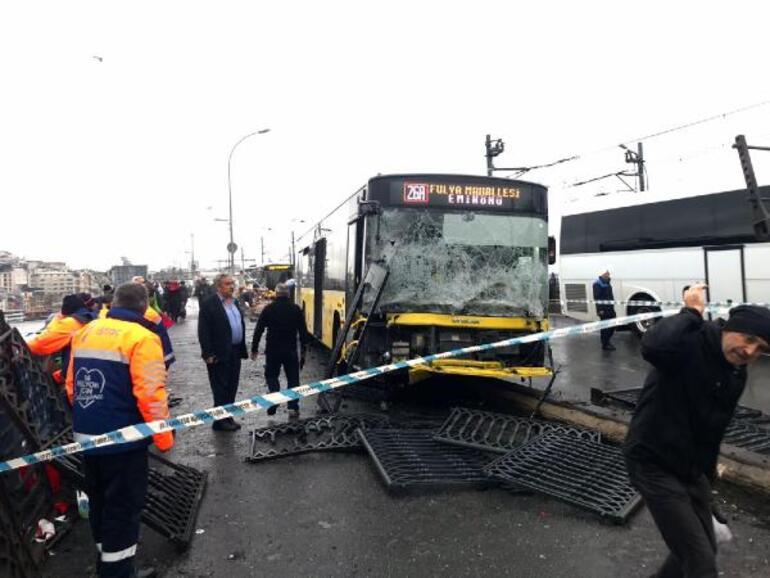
x=467, y=263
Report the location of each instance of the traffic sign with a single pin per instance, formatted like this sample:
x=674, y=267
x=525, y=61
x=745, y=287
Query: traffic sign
x=232, y=247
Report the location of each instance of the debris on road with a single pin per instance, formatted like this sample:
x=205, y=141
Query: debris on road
x=496, y=432
x=328, y=432
x=552, y=458
x=582, y=472
x=412, y=458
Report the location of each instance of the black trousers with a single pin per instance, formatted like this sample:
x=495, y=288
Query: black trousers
x=224, y=376
x=116, y=485
x=606, y=334
x=682, y=513
x=274, y=360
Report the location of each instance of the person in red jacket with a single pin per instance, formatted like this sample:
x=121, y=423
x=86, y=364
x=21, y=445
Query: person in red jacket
x=116, y=378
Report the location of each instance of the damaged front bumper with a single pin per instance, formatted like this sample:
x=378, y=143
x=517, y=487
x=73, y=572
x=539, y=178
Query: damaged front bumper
x=424, y=333
x=471, y=368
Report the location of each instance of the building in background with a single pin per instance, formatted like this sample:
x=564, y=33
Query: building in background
x=120, y=274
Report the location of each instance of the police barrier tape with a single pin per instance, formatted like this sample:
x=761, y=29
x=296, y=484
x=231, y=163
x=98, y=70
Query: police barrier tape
x=636, y=303
x=140, y=431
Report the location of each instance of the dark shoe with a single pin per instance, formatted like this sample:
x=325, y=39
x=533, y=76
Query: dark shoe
x=608, y=347
x=271, y=410
x=226, y=425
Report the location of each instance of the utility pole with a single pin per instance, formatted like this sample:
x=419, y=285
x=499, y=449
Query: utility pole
x=493, y=148
x=636, y=158
x=262, y=245
x=760, y=211
x=192, y=255
x=293, y=256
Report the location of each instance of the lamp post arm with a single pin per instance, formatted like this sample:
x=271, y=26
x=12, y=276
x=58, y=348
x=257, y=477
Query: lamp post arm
x=230, y=188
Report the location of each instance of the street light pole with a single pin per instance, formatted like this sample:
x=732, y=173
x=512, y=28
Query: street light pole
x=231, y=247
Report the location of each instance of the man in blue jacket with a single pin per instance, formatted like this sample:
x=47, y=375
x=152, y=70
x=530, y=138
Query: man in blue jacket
x=603, y=292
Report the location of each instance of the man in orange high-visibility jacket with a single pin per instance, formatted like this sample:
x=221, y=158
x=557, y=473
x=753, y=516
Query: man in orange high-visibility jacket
x=55, y=338
x=117, y=378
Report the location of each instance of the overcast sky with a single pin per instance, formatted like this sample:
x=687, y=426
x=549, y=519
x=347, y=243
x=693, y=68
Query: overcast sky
x=117, y=118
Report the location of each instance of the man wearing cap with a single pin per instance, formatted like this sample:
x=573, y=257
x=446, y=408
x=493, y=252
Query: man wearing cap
x=284, y=323
x=603, y=292
x=688, y=400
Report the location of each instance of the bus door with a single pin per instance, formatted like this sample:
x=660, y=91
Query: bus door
x=319, y=269
x=725, y=273
x=353, y=272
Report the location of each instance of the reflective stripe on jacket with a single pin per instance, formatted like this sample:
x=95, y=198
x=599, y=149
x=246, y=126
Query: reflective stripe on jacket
x=117, y=378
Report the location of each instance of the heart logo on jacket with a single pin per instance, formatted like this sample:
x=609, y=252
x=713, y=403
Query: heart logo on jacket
x=89, y=386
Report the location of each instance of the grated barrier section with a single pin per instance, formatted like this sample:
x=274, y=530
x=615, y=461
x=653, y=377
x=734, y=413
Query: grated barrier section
x=501, y=433
x=408, y=458
x=37, y=399
x=174, y=495
x=16, y=561
x=748, y=436
x=25, y=498
x=585, y=473
x=629, y=399
x=330, y=432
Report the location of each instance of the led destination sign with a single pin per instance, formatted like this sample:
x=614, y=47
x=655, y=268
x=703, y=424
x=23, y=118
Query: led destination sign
x=462, y=195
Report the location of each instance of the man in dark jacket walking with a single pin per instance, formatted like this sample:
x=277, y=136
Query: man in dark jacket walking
x=222, y=336
x=689, y=397
x=603, y=292
x=284, y=323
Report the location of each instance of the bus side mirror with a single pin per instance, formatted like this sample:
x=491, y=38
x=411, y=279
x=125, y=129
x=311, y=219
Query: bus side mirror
x=551, y=250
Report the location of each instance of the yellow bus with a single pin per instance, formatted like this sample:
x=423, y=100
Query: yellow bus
x=467, y=260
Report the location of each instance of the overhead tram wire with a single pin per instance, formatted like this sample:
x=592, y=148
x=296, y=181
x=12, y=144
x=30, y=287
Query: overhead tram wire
x=685, y=126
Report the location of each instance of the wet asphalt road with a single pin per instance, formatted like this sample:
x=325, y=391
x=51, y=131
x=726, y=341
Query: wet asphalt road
x=328, y=514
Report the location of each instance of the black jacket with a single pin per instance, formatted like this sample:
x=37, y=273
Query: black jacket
x=284, y=322
x=214, y=333
x=688, y=398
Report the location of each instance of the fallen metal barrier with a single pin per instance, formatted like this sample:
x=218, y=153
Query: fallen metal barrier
x=749, y=428
x=412, y=458
x=582, y=472
x=331, y=432
x=174, y=494
x=497, y=432
x=748, y=436
x=37, y=399
x=16, y=560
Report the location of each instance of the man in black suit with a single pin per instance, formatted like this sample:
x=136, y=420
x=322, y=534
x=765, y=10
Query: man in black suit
x=221, y=333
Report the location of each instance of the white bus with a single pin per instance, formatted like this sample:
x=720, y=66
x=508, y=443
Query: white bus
x=653, y=250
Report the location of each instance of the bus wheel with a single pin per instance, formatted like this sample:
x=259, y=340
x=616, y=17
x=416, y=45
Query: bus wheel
x=641, y=327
